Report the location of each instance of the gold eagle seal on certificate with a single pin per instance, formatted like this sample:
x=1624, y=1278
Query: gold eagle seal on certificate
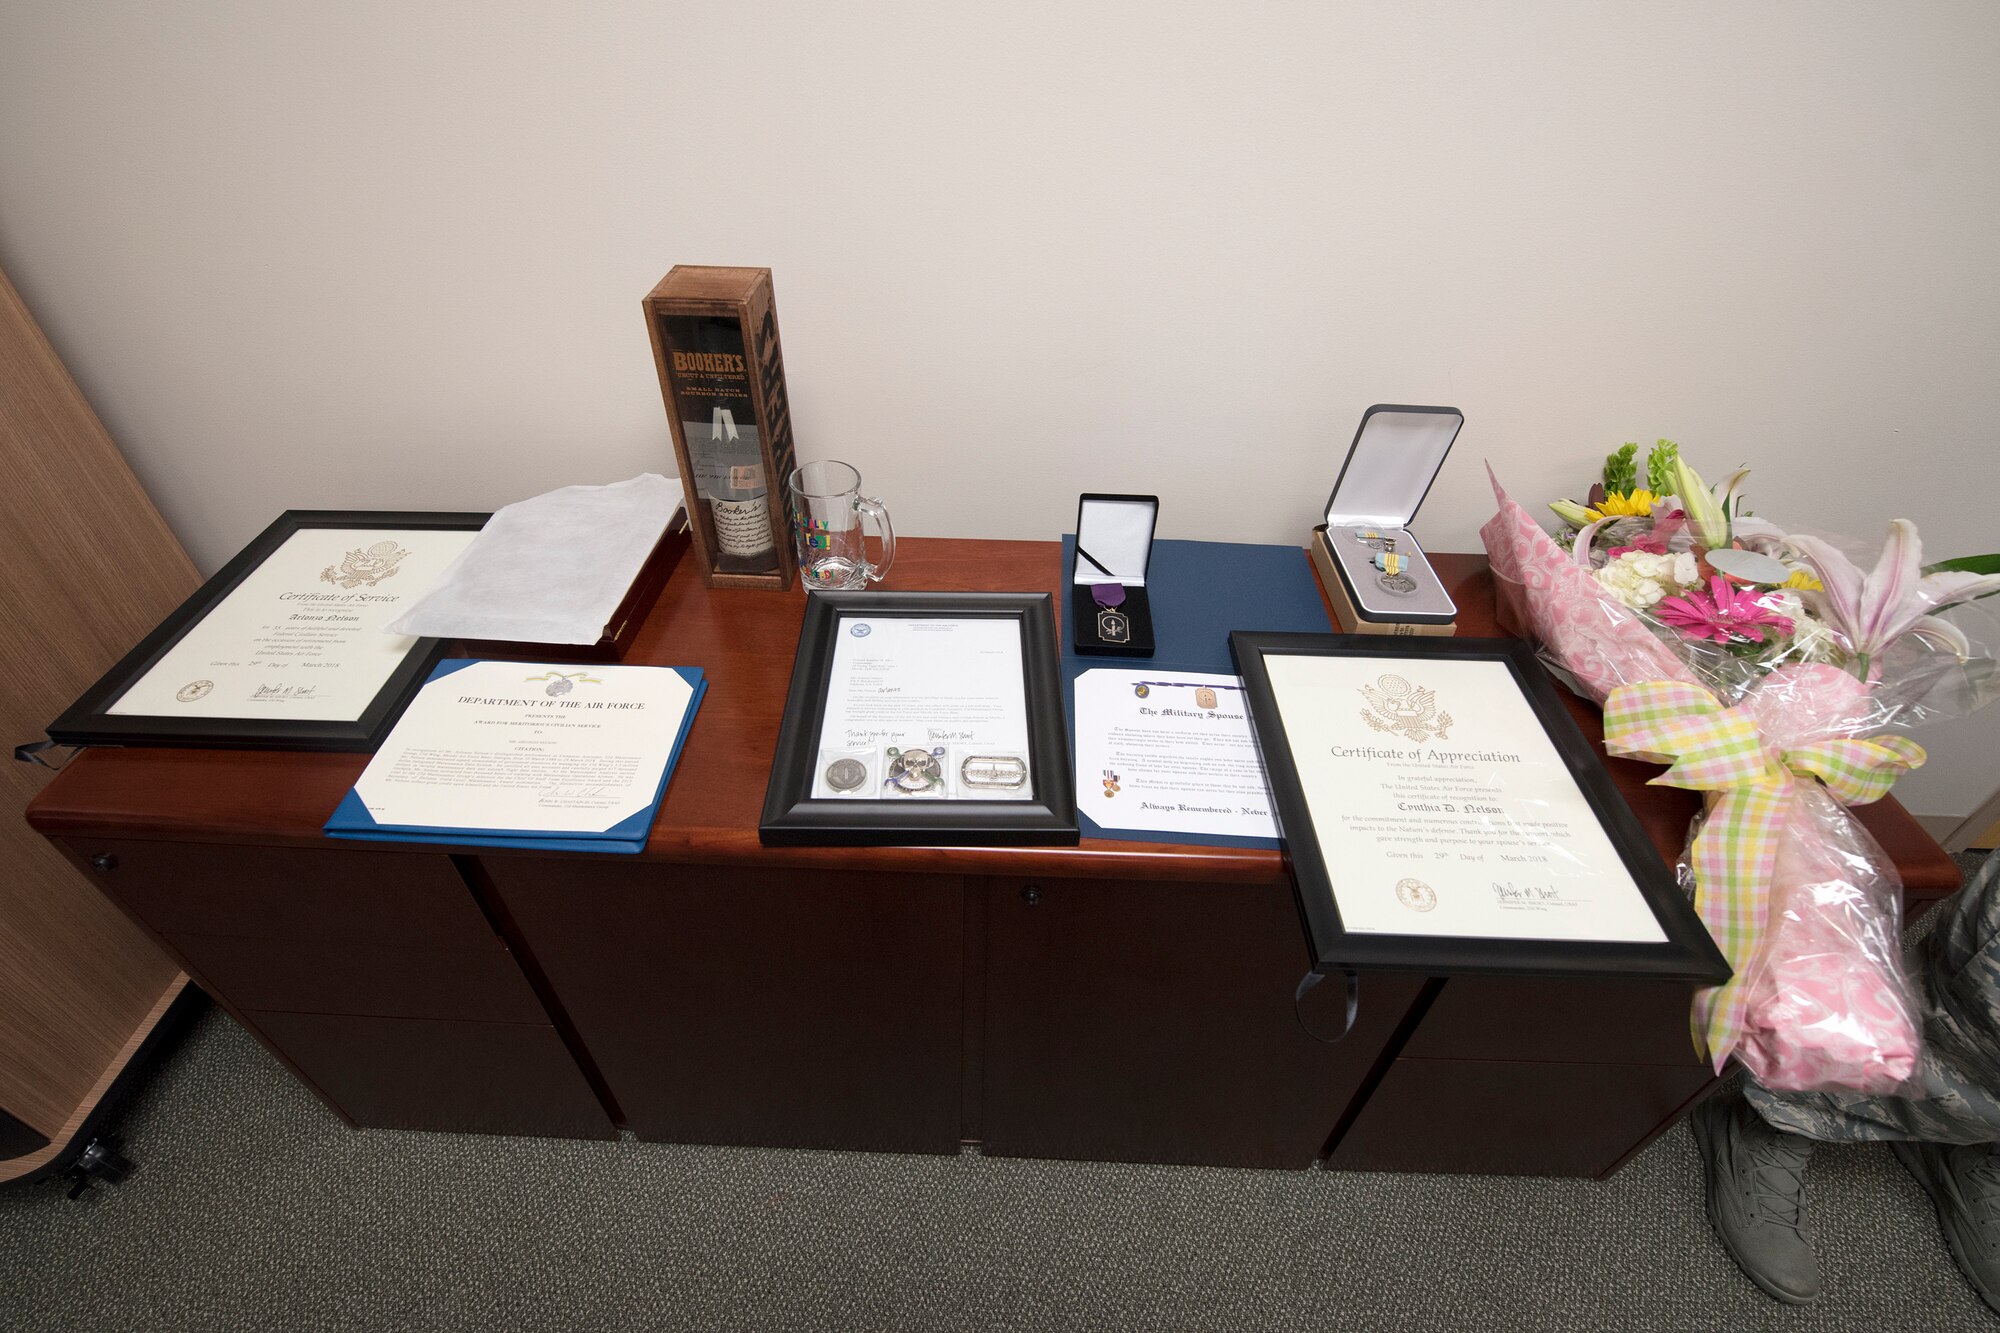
x=368, y=565
x=1416, y=895
x=1395, y=705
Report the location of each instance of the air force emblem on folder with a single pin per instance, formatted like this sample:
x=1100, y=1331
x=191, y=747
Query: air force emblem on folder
x=1395, y=705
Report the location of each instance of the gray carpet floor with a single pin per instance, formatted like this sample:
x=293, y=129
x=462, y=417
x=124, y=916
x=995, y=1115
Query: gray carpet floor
x=254, y=1208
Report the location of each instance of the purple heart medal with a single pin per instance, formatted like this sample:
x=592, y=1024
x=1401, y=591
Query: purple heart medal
x=1113, y=625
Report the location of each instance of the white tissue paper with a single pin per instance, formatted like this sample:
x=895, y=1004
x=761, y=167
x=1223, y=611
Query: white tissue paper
x=549, y=570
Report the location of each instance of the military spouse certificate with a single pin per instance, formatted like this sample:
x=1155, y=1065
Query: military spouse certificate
x=1443, y=808
x=927, y=708
x=301, y=637
x=1169, y=752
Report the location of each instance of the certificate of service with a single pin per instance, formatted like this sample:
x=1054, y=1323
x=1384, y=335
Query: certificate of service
x=1169, y=752
x=1443, y=808
x=302, y=637
x=921, y=707
x=518, y=747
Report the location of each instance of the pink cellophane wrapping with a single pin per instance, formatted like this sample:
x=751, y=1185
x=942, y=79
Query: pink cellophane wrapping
x=1829, y=1004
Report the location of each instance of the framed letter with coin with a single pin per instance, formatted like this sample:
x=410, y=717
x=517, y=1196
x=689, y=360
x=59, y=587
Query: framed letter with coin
x=923, y=718
x=285, y=647
x=1442, y=813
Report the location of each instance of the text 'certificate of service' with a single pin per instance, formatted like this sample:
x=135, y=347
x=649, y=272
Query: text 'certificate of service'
x=1169, y=752
x=1443, y=808
x=925, y=708
x=523, y=747
x=301, y=637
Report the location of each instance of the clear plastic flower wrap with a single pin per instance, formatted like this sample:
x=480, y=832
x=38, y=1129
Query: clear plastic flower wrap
x=1766, y=670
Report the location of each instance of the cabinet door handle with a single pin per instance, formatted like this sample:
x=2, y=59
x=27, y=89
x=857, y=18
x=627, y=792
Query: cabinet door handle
x=1031, y=895
x=104, y=861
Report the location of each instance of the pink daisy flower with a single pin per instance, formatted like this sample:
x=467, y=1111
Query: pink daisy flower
x=1723, y=614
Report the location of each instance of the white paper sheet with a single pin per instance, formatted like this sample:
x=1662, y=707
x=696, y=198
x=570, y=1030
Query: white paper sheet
x=552, y=569
x=302, y=637
x=1443, y=808
x=504, y=746
x=1169, y=752
x=948, y=694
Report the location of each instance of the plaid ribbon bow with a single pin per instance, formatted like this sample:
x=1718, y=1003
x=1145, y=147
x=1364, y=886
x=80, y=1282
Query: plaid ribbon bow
x=1749, y=785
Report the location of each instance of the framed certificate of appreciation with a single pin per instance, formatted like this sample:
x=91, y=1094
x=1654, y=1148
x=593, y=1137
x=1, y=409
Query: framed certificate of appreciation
x=923, y=718
x=1441, y=813
x=285, y=648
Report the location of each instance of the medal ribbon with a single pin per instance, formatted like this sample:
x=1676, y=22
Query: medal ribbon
x=1747, y=785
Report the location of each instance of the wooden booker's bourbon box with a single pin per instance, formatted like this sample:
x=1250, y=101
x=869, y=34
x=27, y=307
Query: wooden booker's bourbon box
x=722, y=373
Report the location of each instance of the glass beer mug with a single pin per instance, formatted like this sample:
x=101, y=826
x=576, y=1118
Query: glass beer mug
x=827, y=509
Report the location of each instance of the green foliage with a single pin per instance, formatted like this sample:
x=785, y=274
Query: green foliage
x=1969, y=564
x=1660, y=467
x=1621, y=474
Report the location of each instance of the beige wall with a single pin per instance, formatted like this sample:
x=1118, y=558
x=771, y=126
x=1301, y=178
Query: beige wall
x=391, y=255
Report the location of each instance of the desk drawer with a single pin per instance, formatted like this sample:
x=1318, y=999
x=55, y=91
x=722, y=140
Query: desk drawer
x=336, y=977
x=757, y=1005
x=1502, y=1117
x=474, y=1078
x=413, y=899
x=1576, y=1022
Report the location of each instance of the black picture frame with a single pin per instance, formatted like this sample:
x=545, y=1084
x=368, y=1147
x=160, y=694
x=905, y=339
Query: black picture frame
x=793, y=817
x=1687, y=953
x=87, y=721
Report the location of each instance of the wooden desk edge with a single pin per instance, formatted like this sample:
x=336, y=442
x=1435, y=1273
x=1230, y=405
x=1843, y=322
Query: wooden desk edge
x=119, y=794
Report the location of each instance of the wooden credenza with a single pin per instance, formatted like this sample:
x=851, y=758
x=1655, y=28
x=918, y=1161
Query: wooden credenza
x=1116, y=1000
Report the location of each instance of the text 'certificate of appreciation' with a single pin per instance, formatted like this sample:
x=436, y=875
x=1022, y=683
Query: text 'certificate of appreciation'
x=1169, y=752
x=927, y=708
x=527, y=749
x=1443, y=808
x=301, y=638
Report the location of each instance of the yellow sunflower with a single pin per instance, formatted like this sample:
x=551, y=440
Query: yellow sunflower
x=1624, y=504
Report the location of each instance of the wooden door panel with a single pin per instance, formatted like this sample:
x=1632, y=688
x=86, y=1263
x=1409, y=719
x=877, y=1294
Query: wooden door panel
x=469, y=1078
x=1503, y=1117
x=1154, y=1022
x=340, y=977
x=1542, y=1018
x=781, y=1007
x=412, y=899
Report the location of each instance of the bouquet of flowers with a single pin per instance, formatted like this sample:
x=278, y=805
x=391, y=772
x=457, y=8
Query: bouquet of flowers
x=1768, y=669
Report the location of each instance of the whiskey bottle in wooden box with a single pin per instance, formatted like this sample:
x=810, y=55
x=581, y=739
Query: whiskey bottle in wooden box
x=722, y=374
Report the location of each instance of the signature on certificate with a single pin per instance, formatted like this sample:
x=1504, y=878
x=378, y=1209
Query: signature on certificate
x=575, y=792
x=284, y=692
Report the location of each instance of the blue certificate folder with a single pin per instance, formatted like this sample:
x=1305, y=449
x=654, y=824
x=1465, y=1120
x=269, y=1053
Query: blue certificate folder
x=352, y=820
x=1199, y=592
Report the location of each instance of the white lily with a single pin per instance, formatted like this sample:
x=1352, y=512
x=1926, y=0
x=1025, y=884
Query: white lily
x=1709, y=519
x=1570, y=512
x=1895, y=598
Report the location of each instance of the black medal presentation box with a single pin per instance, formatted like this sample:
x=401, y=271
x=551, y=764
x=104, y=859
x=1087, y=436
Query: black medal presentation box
x=722, y=374
x=1110, y=614
x=1375, y=573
